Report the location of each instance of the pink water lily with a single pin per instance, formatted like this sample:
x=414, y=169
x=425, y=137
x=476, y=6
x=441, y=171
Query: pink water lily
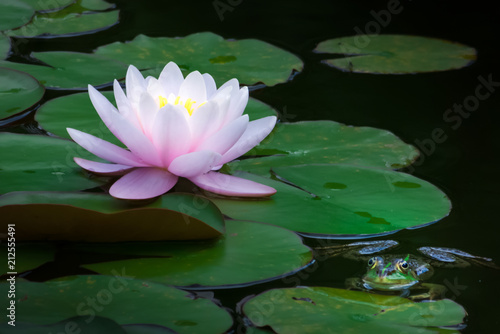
x=174, y=127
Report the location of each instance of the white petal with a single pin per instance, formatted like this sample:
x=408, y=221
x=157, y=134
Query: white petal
x=155, y=89
x=256, y=131
x=193, y=88
x=226, y=137
x=123, y=104
x=102, y=168
x=171, y=133
x=231, y=83
x=104, y=149
x=231, y=186
x=171, y=79
x=134, y=84
x=142, y=183
x=194, y=163
x=210, y=85
x=238, y=103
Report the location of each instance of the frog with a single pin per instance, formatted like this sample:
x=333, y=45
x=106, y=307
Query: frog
x=401, y=273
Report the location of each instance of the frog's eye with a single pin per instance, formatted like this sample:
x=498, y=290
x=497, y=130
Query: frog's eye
x=403, y=265
x=372, y=262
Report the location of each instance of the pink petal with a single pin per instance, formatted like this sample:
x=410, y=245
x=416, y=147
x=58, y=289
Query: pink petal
x=171, y=133
x=256, y=131
x=204, y=122
x=134, y=84
x=231, y=185
x=102, y=168
x=171, y=79
x=104, y=149
x=142, y=183
x=125, y=131
x=123, y=104
x=147, y=110
x=226, y=137
x=194, y=163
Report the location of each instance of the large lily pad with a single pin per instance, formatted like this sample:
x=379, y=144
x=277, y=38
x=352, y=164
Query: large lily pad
x=34, y=162
x=327, y=142
x=101, y=218
x=14, y=13
x=396, y=54
x=72, y=20
x=71, y=70
x=250, y=61
x=124, y=300
x=76, y=111
x=28, y=256
x=314, y=309
x=48, y=6
x=18, y=91
x=248, y=253
x=341, y=201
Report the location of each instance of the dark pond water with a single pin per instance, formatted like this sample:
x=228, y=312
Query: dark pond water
x=465, y=165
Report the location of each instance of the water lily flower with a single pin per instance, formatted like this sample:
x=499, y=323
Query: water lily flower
x=174, y=127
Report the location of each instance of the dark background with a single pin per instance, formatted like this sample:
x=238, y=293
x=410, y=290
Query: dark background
x=465, y=165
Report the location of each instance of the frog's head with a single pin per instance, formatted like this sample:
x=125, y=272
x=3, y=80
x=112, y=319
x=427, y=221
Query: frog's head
x=395, y=273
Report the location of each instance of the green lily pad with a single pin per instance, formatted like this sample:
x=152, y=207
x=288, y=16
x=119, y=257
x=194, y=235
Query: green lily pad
x=76, y=111
x=18, y=91
x=28, y=256
x=326, y=142
x=396, y=54
x=314, y=309
x=4, y=46
x=250, y=61
x=71, y=70
x=34, y=162
x=120, y=298
x=98, y=325
x=14, y=13
x=248, y=253
x=72, y=20
x=341, y=201
x=97, y=217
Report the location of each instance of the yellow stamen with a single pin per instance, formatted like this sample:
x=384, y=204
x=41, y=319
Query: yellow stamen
x=163, y=101
x=189, y=105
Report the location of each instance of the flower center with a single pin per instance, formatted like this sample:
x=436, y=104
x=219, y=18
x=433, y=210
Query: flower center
x=189, y=104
